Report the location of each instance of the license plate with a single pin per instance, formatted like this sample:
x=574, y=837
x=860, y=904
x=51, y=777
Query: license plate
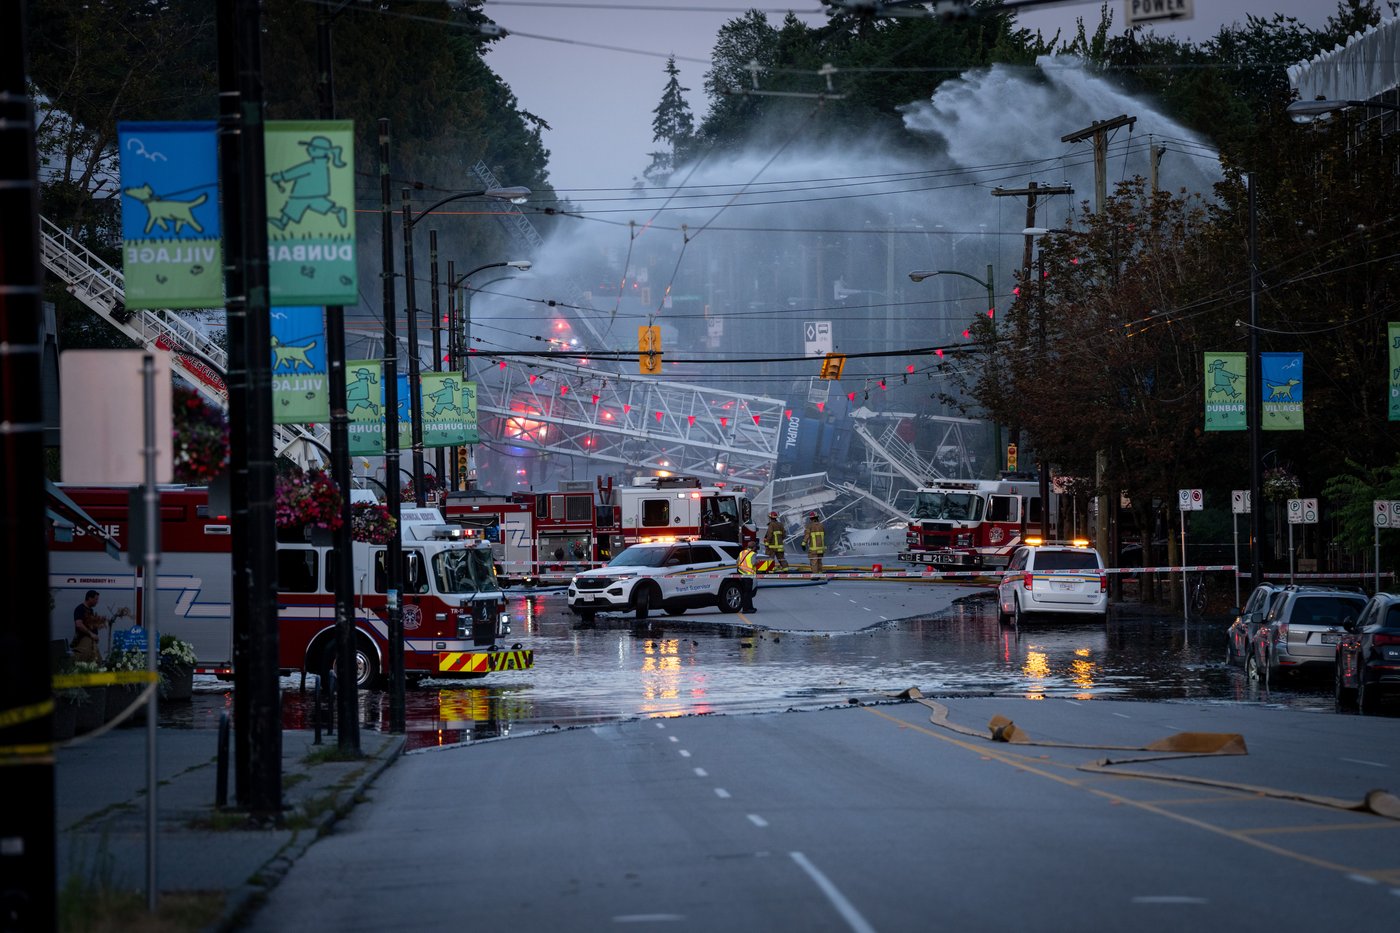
x=1330, y=638
x=1063, y=587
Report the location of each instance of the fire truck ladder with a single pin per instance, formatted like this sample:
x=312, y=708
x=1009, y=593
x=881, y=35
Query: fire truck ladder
x=197, y=358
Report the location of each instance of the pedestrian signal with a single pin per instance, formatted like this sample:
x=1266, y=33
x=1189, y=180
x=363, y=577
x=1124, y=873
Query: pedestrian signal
x=649, y=349
x=832, y=365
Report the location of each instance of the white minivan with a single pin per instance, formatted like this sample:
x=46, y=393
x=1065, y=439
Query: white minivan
x=1053, y=579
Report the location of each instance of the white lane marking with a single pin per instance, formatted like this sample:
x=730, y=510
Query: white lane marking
x=721, y=793
x=661, y=725
x=838, y=900
x=674, y=738
x=757, y=820
x=1122, y=715
x=648, y=918
x=1362, y=879
x=701, y=772
x=1361, y=761
x=685, y=754
x=1169, y=899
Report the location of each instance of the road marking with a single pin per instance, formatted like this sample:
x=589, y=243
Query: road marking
x=1122, y=716
x=1362, y=879
x=1169, y=899
x=1360, y=761
x=685, y=754
x=838, y=900
x=757, y=820
x=721, y=793
x=701, y=772
x=648, y=918
x=661, y=725
x=675, y=739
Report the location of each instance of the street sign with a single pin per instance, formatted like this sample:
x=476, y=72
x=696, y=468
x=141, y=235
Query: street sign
x=816, y=338
x=1385, y=513
x=1190, y=500
x=1239, y=501
x=1151, y=11
x=1302, y=511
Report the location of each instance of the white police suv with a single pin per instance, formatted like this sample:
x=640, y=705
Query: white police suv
x=1043, y=579
x=671, y=577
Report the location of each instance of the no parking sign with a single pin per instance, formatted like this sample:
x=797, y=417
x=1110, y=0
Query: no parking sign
x=1190, y=500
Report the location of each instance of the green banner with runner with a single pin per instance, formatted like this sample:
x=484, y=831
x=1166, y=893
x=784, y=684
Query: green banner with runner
x=1393, y=343
x=449, y=410
x=311, y=212
x=364, y=404
x=1225, y=391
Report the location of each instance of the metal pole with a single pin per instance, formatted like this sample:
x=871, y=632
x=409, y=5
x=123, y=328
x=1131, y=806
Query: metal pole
x=1253, y=391
x=452, y=365
x=27, y=888
x=394, y=553
x=415, y=391
x=344, y=574
x=150, y=564
x=1290, y=553
x=1185, y=594
x=440, y=453
x=467, y=368
x=999, y=452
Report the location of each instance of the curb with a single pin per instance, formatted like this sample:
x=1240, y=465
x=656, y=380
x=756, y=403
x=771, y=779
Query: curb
x=247, y=897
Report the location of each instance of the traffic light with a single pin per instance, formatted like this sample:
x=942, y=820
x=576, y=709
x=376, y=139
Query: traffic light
x=832, y=365
x=462, y=458
x=649, y=349
x=1011, y=456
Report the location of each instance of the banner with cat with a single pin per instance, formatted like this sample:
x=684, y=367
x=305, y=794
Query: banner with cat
x=172, y=255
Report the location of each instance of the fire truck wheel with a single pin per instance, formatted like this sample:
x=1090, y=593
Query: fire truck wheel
x=731, y=596
x=643, y=599
x=366, y=665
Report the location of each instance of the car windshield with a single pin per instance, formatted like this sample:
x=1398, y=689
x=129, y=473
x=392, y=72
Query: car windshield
x=640, y=556
x=464, y=570
x=1066, y=560
x=948, y=506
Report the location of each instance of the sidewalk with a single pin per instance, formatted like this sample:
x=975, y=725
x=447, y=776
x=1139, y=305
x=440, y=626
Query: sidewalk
x=100, y=789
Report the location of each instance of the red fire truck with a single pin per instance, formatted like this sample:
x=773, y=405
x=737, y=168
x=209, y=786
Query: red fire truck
x=453, y=608
x=536, y=533
x=970, y=524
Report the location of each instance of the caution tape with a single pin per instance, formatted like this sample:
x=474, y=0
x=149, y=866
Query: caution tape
x=22, y=714
x=104, y=679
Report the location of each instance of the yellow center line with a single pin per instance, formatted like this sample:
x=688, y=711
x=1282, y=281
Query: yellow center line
x=1024, y=765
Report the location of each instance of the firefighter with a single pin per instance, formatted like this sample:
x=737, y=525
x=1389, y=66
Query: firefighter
x=748, y=582
x=814, y=541
x=775, y=541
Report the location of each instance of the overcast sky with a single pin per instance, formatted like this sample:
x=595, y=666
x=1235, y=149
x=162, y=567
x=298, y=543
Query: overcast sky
x=594, y=69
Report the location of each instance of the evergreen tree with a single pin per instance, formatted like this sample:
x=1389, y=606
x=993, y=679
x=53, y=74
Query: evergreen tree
x=672, y=125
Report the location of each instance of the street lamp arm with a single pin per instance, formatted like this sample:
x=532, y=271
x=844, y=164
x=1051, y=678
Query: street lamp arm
x=919, y=276
x=522, y=264
x=1306, y=111
x=515, y=195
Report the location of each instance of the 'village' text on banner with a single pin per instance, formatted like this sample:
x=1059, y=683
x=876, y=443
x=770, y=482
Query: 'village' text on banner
x=1282, y=377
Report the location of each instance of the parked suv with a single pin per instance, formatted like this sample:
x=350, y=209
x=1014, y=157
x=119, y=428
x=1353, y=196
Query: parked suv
x=1239, y=638
x=1368, y=657
x=1302, y=630
x=1053, y=578
x=672, y=577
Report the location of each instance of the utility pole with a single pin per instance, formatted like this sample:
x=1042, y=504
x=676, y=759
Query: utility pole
x=28, y=860
x=347, y=691
x=440, y=461
x=1154, y=162
x=256, y=690
x=1106, y=536
x=393, y=555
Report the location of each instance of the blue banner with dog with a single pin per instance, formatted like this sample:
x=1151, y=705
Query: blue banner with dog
x=172, y=254
x=1282, y=374
x=299, y=372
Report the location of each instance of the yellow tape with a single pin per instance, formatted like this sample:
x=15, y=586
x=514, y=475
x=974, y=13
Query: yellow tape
x=38, y=754
x=13, y=717
x=107, y=678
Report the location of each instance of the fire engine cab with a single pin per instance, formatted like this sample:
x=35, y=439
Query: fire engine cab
x=971, y=524
x=452, y=606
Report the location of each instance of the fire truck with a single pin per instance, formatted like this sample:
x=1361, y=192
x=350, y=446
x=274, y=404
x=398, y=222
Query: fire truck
x=971, y=524
x=453, y=609
x=534, y=533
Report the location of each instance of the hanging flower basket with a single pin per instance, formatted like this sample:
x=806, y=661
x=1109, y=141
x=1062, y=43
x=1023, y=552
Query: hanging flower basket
x=371, y=523
x=1278, y=483
x=307, y=499
x=200, y=434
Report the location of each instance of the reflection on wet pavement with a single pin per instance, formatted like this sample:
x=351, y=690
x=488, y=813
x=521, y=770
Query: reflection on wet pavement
x=585, y=676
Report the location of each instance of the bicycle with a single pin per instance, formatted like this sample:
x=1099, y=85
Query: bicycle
x=1196, y=596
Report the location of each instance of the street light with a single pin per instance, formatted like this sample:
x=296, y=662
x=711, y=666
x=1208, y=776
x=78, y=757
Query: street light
x=515, y=195
x=1310, y=111
x=465, y=328
x=919, y=276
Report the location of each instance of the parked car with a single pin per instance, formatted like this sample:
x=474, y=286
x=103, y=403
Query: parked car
x=1239, y=638
x=1053, y=578
x=1302, y=630
x=1368, y=656
x=672, y=577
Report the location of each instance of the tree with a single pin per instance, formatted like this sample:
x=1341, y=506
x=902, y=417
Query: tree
x=673, y=125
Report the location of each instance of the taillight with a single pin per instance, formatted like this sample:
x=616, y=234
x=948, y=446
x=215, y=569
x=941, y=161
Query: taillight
x=1103, y=583
x=1385, y=639
x=1026, y=579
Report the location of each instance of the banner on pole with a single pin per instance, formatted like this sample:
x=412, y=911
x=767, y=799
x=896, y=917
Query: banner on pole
x=1393, y=371
x=172, y=254
x=1225, y=391
x=299, y=375
x=311, y=212
x=449, y=417
x=1282, y=391
x=364, y=404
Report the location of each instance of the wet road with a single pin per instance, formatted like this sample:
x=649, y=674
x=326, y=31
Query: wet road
x=708, y=663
